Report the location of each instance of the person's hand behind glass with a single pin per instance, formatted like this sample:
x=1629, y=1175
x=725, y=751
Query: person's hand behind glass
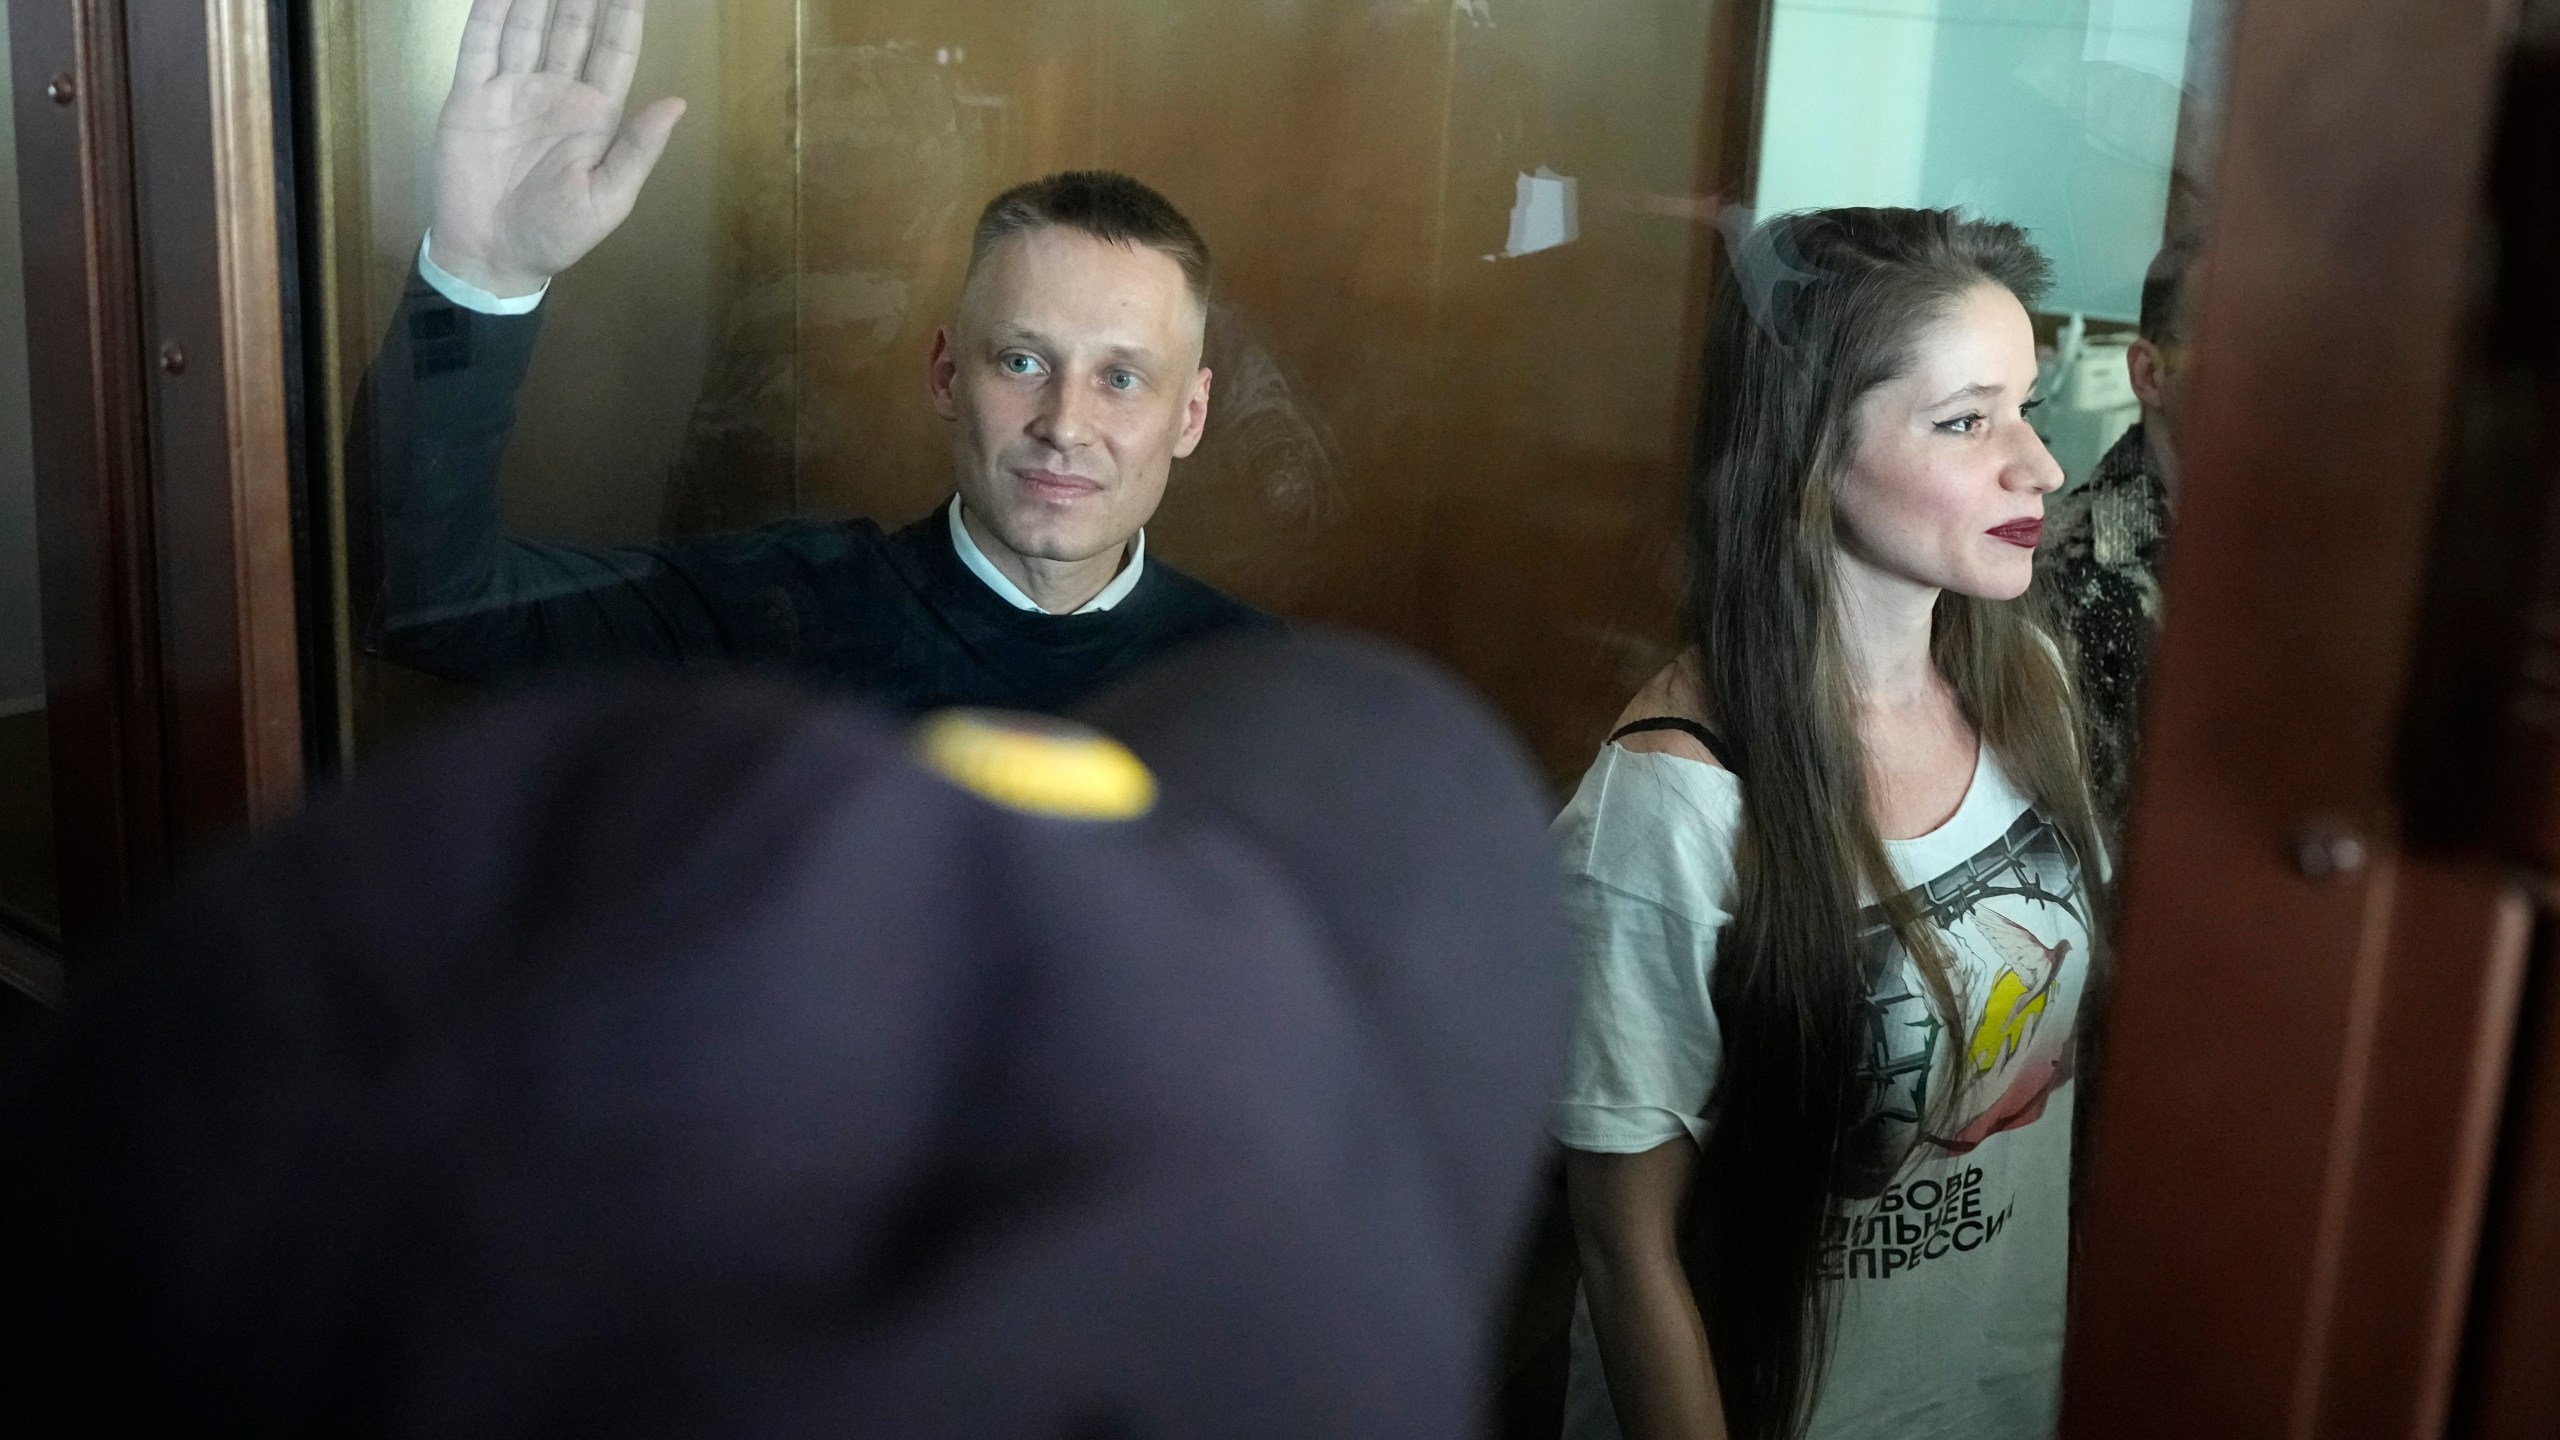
x=535, y=160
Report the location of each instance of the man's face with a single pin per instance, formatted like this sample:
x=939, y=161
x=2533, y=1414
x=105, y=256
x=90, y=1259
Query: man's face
x=2158, y=373
x=1073, y=374
x=2159, y=380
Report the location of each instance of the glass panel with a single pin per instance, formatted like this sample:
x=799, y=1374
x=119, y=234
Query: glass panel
x=2061, y=115
x=1464, y=254
x=1457, y=259
x=2089, y=123
x=27, y=891
x=1468, y=257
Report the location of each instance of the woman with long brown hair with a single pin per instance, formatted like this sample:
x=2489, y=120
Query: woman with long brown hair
x=1832, y=881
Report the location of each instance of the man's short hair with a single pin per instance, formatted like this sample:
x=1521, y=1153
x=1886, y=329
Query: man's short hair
x=2164, y=290
x=1104, y=204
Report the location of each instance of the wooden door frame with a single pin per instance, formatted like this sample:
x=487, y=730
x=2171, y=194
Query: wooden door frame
x=2319, y=967
x=161, y=435
x=2509, y=1389
x=2315, y=1003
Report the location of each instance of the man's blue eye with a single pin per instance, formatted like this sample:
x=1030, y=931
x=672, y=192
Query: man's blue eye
x=1020, y=364
x=1121, y=380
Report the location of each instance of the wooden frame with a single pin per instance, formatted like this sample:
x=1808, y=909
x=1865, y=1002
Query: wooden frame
x=89, y=440
x=2509, y=1388
x=2300, y=1133
x=265, y=672
x=161, y=437
x=2316, y=999
x=328, y=117
x=220, y=428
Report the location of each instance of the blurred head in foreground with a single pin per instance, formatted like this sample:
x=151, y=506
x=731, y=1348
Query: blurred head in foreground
x=705, y=1062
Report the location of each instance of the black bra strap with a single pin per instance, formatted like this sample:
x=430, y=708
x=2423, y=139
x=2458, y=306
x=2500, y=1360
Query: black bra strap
x=1690, y=728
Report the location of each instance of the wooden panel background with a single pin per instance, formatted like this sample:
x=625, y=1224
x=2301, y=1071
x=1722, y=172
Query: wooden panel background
x=1478, y=457
x=213, y=354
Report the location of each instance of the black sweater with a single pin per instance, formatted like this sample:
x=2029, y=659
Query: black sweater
x=443, y=587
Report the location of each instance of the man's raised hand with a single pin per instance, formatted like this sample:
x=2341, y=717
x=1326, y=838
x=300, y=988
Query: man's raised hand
x=535, y=161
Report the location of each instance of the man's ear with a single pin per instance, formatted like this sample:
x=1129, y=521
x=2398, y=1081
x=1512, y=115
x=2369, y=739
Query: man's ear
x=2148, y=369
x=942, y=373
x=1195, y=416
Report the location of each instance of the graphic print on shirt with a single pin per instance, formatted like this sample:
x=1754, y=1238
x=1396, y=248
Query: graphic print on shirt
x=2012, y=919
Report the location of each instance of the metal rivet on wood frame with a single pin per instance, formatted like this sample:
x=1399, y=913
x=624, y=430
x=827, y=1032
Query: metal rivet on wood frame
x=2328, y=850
x=172, y=358
x=61, y=89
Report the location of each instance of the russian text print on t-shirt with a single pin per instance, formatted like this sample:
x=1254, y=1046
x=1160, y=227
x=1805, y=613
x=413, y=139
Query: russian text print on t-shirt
x=1911, y=1223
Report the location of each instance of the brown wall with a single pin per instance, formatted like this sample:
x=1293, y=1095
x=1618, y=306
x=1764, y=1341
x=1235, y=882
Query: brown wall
x=1476, y=456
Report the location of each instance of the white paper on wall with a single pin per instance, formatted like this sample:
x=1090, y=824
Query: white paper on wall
x=1545, y=214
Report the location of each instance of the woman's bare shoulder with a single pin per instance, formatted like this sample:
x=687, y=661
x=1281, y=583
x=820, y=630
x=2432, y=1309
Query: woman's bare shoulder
x=1675, y=690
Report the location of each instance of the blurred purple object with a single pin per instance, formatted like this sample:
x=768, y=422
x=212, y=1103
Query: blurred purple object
x=692, y=1062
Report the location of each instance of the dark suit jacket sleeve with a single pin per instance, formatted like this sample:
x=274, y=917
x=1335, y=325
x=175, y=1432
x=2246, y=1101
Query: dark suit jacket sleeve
x=438, y=582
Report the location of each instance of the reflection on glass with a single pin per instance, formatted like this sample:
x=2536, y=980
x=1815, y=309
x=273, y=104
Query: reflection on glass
x=1069, y=374
x=1835, y=877
x=2082, y=120
x=1461, y=254
x=27, y=893
x=1465, y=259
x=2059, y=115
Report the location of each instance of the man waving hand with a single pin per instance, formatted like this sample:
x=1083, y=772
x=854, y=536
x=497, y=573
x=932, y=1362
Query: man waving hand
x=1071, y=376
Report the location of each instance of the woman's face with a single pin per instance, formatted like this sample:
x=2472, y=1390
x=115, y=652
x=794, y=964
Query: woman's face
x=1946, y=487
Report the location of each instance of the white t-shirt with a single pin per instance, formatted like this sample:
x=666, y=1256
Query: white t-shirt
x=1952, y=1257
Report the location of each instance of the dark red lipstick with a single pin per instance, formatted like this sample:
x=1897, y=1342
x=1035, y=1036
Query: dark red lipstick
x=2023, y=533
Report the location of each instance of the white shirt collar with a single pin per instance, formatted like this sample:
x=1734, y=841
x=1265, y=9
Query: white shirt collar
x=985, y=569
